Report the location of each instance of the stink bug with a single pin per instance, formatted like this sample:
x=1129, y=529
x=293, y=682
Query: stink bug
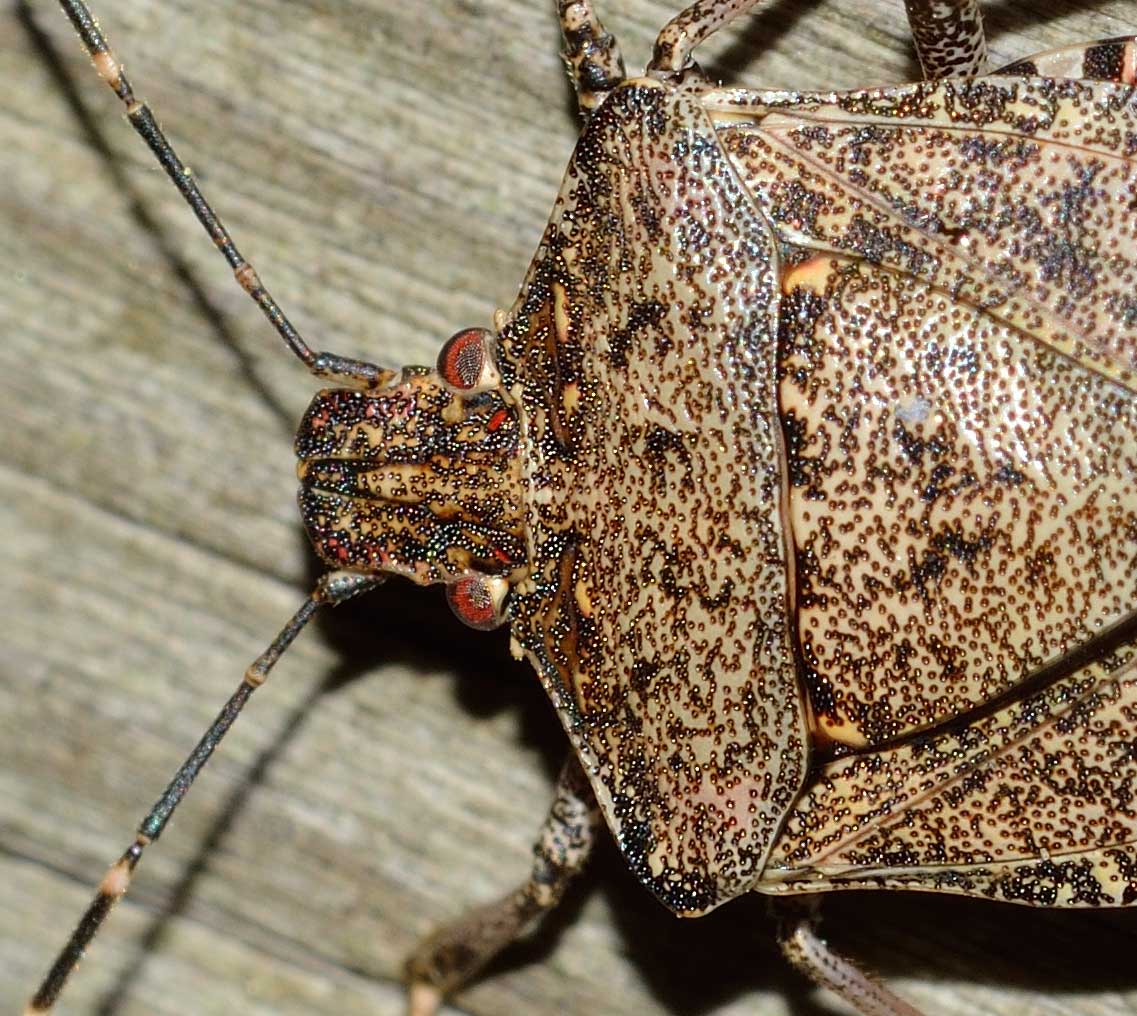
x=256, y=856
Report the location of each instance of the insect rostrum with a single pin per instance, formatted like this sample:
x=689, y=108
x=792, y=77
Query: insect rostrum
x=874, y=264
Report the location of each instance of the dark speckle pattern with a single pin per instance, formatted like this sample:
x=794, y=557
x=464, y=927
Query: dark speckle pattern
x=642, y=350
x=812, y=472
x=412, y=480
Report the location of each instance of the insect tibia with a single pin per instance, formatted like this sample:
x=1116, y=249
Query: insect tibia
x=817, y=959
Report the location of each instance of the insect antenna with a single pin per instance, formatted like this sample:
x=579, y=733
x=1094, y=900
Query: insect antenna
x=332, y=588
x=344, y=370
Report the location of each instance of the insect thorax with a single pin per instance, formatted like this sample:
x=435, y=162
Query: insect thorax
x=641, y=352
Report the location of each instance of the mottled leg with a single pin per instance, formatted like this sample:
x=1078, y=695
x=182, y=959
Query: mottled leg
x=591, y=54
x=671, y=59
x=454, y=954
x=1109, y=60
x=812, y=955
x=949, y=37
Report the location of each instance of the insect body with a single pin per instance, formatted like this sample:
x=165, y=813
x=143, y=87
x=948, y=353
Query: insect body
x=561, y=599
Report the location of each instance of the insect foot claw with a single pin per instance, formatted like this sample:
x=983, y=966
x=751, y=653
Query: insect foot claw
x=423, y=999
x=454, y=954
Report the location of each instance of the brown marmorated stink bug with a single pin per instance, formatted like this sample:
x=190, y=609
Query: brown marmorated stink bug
x=854, y=227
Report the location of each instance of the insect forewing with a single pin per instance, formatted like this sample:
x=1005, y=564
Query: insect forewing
x=957, y=341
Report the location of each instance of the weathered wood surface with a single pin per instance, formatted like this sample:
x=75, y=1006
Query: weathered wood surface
x=388, y=167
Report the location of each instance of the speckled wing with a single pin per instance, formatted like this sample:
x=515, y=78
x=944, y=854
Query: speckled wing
x=642, y=352
x=1033, y=803
x=958, y=334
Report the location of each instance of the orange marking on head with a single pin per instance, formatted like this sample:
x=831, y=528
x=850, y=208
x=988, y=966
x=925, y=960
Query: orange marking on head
x=497, y=420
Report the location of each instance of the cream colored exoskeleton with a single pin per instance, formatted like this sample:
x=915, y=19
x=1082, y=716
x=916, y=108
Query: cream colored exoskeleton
x=801, y=471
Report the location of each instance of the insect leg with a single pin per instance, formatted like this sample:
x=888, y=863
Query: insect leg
x=333, y=588
x=1108, y=60
x=671, y=58
x=344, y=370
x=591, y=54
x=814, y=957
x=948, y=35
x=453, y=954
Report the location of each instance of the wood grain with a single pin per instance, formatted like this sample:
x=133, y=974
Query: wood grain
x=388, y=168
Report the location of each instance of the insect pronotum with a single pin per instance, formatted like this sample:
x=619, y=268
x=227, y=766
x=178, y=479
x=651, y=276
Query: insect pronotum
x=363, y=833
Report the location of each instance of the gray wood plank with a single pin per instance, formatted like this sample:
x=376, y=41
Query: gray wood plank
x=388, y=168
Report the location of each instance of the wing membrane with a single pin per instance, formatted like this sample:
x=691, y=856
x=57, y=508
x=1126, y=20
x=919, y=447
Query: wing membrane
x=1034, y=803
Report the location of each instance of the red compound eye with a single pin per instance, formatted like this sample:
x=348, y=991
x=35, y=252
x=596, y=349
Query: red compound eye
x=463, y=358
x=474, y=601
